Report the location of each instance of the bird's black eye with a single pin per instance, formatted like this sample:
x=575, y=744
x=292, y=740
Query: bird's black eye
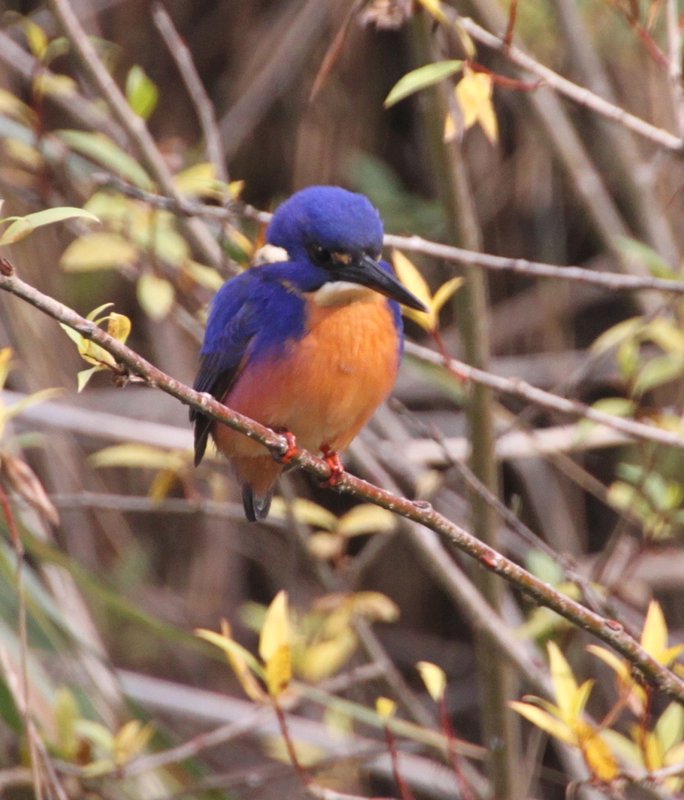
x=320, y=255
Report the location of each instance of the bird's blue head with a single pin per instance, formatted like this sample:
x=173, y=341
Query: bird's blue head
x=336, y=235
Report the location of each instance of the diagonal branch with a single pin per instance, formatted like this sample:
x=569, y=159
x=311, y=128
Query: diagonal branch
x=608, y=631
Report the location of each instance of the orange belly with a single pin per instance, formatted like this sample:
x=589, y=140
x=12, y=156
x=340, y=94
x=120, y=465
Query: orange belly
x=323, y=389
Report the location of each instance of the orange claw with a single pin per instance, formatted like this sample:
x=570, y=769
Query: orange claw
x=292, y=450
x=332, y=459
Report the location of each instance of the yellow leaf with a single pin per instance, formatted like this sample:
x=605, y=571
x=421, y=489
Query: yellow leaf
x=670, y=654
x=474, y=96
x=118, y=326
x=243, y=663
x=322, y=659
x=12, y=106
x=434, y=679
x=564, y=683
x=542, y=719
x=434, y=8
x=385, y=707
x=599, y=757
x=654, y=635
x=156, y=295
x=35, y=36
x=5, y=359
x=200, y=180
x=374, y=606
x=410, y=276
x=23, y=153
x=444, y=293
x=163, y=483
x=304, y=511
x=96, y=251
x=48, y=83
x=131, y=740
x=275, y=631
x=325, y=546
x=466, y=39
x=579, y=701
x=614, y=662
x=451, y=127
x=235, y=188
x=366, y=518
x=279, y=670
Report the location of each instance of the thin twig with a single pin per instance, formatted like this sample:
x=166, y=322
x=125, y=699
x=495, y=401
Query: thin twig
x=196, y=91
x=607, y=280
x=573, y=408
x=608, y=631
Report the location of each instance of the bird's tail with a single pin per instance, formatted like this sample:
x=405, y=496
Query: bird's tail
x=256, y=505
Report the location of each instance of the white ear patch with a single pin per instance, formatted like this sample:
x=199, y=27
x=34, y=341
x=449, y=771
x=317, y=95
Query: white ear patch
x=341, y=293
x=270, y=254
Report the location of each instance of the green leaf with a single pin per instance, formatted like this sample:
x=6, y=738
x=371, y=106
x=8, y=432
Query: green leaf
x=21, y=227
x=617, y=334
x=617, y=406
x=669, y=729
x=659, y=371
x=35, y=36
x=104, y=151
x=141, y=92
x=641, y=253
x=96, y=251
x=422, y=78
x=84, y=376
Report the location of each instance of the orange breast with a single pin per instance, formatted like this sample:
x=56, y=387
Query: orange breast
x=326, y=385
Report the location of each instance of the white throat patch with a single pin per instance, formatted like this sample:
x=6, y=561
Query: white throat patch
x=270, y=254
x=342, y=293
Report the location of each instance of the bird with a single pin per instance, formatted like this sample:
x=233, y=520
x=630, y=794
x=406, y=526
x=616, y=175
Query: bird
x=307, y=341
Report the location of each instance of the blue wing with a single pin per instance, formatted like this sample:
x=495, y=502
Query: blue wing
x=233, y=324
x=253, y=315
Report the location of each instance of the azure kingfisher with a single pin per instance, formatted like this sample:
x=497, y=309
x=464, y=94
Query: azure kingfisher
x=307, y=341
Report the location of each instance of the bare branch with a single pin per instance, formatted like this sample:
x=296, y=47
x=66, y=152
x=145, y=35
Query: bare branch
x=608, y=631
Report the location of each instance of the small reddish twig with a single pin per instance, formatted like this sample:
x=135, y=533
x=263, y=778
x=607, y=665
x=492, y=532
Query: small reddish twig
x=510, y=28
x=404, y=789
x=333, y=52
x=304, y=776
x=448, y=728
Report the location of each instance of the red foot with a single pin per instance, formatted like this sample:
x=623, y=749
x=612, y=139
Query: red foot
x=332, y=459
x=292, y=450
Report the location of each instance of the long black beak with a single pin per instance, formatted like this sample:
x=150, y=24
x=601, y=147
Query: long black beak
x=366, y=271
